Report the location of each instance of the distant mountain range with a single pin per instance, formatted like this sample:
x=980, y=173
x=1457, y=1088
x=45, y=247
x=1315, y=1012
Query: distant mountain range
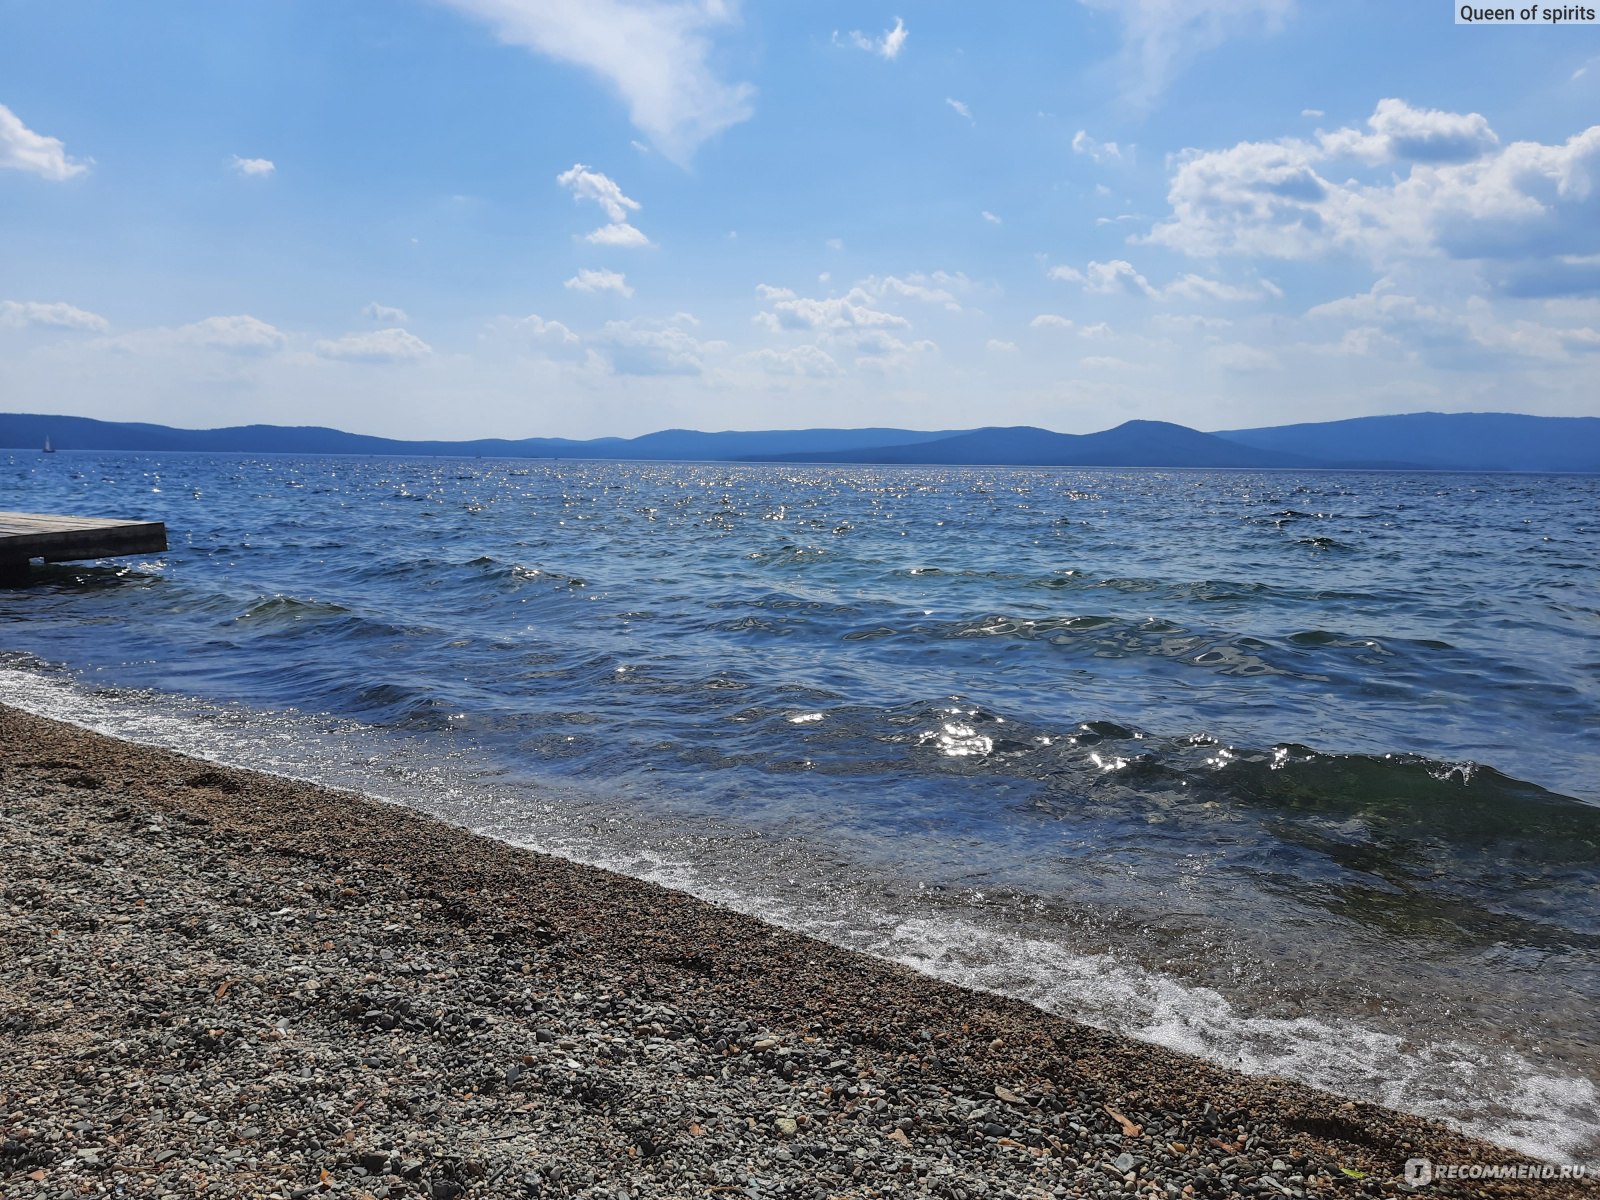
x=1414, y=441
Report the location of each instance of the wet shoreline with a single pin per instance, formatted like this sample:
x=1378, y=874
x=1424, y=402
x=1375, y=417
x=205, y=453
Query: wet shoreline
x=414, y=1009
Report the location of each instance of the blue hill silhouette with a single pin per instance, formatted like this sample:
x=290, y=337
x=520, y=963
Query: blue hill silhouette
x=1433, y=441
x=1443, y=441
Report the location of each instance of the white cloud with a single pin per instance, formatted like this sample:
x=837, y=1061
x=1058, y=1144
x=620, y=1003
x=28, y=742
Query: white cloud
x=882, y=351
x=378, y=346
x=805, y=360
x=1160, y=37
x=585, y=184
x=996, y=346
x=835, y=243
x=1198, y=287
x=18, y=314
x=385, y=315
x=1312, y=113
x=587, y=280
x=648, y=347
x=1454, y=333
x=991, y=218
x=1120, y=277
x=1050, y=321
x=1107, y=278
x=852, y=322
x=253, y=168
x=1418, y=135
x=836, y=315
x=1100, y=151
x=938, y=288
x=617, y=234
x=1445, y=186
x=654, y=53
x=241, y=334
x=536, y=328
x=21, y=149
x=888, y=46
x=1097, y=330
x=959, y=107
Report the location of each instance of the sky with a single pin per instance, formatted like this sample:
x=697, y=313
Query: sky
x=468, y=218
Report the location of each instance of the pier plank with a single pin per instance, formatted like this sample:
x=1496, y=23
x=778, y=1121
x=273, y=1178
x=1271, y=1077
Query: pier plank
x=62, y=538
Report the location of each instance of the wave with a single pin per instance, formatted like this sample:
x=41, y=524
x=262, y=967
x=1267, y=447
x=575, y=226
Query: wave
x=1007, y=944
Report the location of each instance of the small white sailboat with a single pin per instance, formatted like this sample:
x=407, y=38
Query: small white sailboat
x=48, y=448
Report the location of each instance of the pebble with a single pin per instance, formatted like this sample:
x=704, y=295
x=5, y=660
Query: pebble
x=571, y=1030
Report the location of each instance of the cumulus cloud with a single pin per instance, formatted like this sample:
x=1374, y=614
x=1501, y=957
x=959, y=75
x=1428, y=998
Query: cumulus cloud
x=959, y=107
x=586, y=184
x=1467, y=334
x=621, y=234
x=855, y=322
x=996, y=346
x=888, y=46
x=19, y=314
x=1114, y=277
x=587, y=280
x=882, y=351
x=649, y=347
x=1100, y=151
x=654, y=53
x=536, y=328
x=383, y=314
x=1560, y=275
x=1050, y=321
x=253, y=168
x=1120, y=277
x=1445, y=186
x=938, y=287
x=1160, y=37
x=1198, y=287
x=838, y=314
x=990, y=217
x=21, y=149
x=241, y=334
x=377, y=346
x=1396, y=131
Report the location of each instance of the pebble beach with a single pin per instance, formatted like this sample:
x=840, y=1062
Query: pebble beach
x=221, y=983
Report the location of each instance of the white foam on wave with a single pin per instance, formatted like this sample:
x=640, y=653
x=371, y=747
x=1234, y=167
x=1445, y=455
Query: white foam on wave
x=1496, y=1094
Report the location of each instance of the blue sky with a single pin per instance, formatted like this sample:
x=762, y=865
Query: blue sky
x=584, y=217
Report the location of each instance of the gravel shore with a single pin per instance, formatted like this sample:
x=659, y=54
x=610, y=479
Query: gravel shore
x=214, y=982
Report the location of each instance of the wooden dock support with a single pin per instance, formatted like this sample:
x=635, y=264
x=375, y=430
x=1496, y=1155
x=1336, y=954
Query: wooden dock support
x=27, y=536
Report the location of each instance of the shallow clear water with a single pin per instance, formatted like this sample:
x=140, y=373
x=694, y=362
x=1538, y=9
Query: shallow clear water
x=1295, y=771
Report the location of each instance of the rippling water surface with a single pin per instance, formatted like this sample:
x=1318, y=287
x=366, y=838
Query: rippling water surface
x=1300, y=772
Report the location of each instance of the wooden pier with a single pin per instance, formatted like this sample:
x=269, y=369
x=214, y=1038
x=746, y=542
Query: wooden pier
x=27, y=536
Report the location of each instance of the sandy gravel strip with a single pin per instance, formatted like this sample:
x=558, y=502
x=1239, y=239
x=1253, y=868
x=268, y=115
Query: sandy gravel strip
x=219, y=983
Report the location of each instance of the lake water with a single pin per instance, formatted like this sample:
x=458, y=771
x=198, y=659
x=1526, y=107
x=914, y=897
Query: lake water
x=1296, y=771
